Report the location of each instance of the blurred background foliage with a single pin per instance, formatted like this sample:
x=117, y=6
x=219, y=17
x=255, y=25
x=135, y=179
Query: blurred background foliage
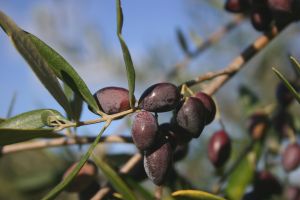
x=87, y=39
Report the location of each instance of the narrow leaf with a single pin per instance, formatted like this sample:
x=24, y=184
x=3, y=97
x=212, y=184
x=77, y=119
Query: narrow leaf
x=194, y=195
x=64, y=71
x=243, y=174
x=38, y=64
x=126, y=55
x=182, y=41
x=59, y=188
x=287, y=84
x=295, y=64
x=76, y=102
x=30, y=120
x=11, y=136
x=11, y=105
x=115, y=180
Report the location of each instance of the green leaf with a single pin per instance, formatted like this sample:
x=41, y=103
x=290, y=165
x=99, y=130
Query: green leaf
x=194, y=195
x=67, y=180
x=287, y=84
x=115, y=180
x=76, y=102
x=11, y=136
x=144, y=193
x=126, y=55
x=243, y=174
x=35, y=59
x=296, y=64
x=64, y=71
x=182, y=41
x=30, y=120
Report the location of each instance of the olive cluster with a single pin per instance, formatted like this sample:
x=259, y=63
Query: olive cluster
x=264, y=13
x=161, y=143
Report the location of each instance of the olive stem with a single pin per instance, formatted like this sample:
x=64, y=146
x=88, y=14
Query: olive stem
x=94, y=121
x=222, y=76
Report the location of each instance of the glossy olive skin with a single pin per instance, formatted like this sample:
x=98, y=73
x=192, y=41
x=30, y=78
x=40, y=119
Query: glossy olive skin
x=291, y=157
x=158, y=161
x=83, y=179
x=177, y=135
x=112, y=100
x=160, y=97
x=261, y=19
x=144, y=130
x=209, y=105
x=257, y=125
x=219, y=148
x=191, y=116
x=266, y=185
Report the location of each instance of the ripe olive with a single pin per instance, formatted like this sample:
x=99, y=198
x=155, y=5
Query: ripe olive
x=291, y=157
x=160, y=97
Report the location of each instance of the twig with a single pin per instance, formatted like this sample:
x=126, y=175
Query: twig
x=215, y=37
x=23, y=146
x=222, y=76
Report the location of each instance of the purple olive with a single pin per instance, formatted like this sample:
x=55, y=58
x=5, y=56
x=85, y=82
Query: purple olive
x=191, y=116
x=161, y=97
x=236, y=6
x=83, y=179
x=266, y=185
x=283, y=95
x=292, y=193
x=219, y=148
x=209, y=105
x=261, y=19
x=177, y=135
x=112, y=100
x=291, y=157
x=144, y=130
x=158, y=161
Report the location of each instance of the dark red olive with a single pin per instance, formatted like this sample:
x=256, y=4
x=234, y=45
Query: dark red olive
x=283, y=122
x=89, y=191
x=161, y=97
x=83, y=179
x=209, y=105
x=112, y=100
x=291, y=157
x=191, y=116
x=292, y=193
x=219, y=148
x=283, y=95
x=266, y=185
x=144, y=130
x=236, y=6
x=258, y=124
x=261, y=19
x=158, y=161
x=180, y=152
x=177, y=135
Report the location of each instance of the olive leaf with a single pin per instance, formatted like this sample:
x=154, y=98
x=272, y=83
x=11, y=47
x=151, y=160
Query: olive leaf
x=126, y=55
x=287, y=84
x=47, y=64
x=31, y=120
x=116, y=181
x=194, y=195
x=182, y=41
x=243, y=174
x=67, y=180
